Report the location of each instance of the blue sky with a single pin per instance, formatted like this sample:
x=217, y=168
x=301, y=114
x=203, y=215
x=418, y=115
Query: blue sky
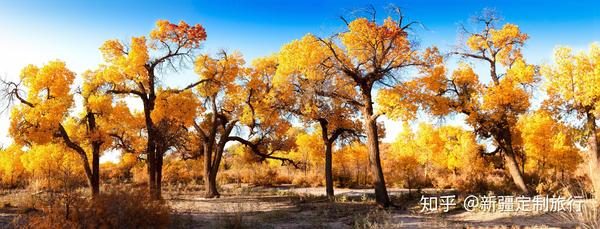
x=38, y=31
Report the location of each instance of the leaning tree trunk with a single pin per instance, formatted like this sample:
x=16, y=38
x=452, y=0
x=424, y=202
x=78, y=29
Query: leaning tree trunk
x=510, y=157
x=594, y=155
x=370, y=122
x=513, y=169
x=92, y=174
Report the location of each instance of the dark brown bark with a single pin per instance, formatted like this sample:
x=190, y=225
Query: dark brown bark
x=210, y=173
x=210, y=184
x=95, y=175
x=158, y=178
x=328, y=170
x=381, y=195
x=211, y=169
x=151, y=145
x=92, y=173
x=329, y=137
x=210, y=177
x=213, y=152
x=151, y=174
x=328, y=158
x=95, y=178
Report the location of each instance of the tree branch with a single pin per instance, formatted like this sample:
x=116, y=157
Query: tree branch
x=262, y=155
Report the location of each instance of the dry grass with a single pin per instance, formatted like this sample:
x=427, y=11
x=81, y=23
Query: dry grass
x=243, y=206
x=114, y=209
x=587, y=218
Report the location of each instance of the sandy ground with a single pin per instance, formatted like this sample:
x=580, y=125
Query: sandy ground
x=286, y=207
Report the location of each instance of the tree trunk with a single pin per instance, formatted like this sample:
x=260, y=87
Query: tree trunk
x=211, y=186
x=92, y=174
x=151, y=163
x=370, y=122
x=95, y=179
x=328, y=142
x=328, y=172
x=95, y=176
x=515, y=172
x=510, y=157
x=158, y=178
x=594, y=160
x=210, y=175
x=211, y=168
x=151, y=155
x=210, y=179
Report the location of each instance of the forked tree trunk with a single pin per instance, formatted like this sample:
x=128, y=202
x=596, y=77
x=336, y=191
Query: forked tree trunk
x=211, y=168
x=92, y=172
x=210, y=177
x=594, y=155
x=210, y=181
x=210, y=184
x=211, y=165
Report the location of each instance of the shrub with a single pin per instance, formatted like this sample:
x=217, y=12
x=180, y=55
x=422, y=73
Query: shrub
x=263, y=175
x=309, y=179
x=285, y=175
x=259, y=174
x=52, y=168
x=497, y=181
x=140, y=174
x=114, y=209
